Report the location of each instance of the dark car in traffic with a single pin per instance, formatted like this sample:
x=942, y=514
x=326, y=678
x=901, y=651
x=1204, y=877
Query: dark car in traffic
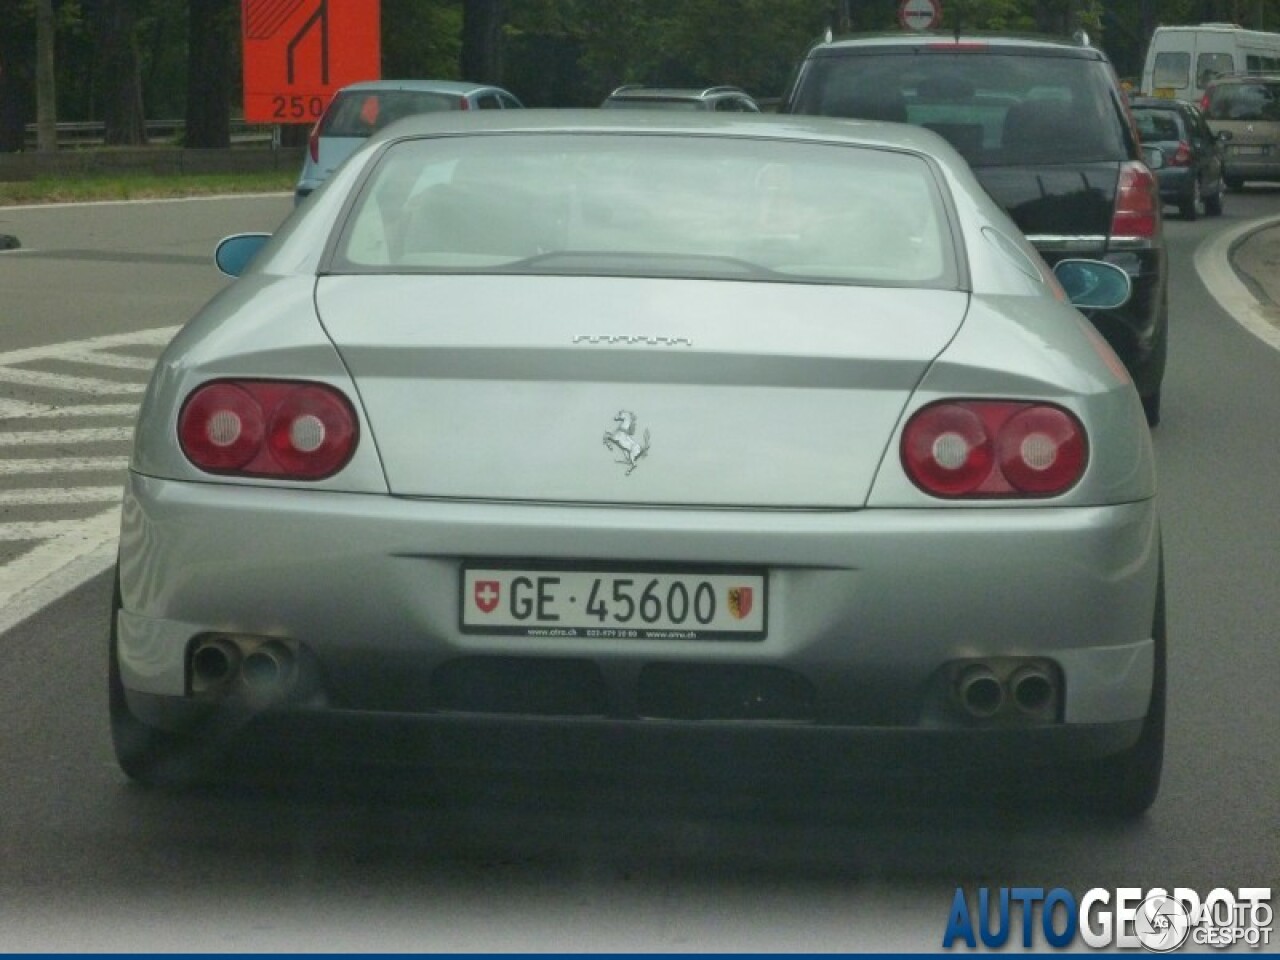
x=1190, y=174
x=1044, y=125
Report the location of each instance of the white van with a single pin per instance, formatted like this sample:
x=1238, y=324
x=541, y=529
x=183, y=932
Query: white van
x=1182, y=61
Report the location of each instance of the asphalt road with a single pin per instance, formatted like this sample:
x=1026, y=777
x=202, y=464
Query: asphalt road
x=404, y=862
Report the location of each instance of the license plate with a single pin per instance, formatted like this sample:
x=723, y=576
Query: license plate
x=632, y=603
x=1165, y=93
x=1249, y=151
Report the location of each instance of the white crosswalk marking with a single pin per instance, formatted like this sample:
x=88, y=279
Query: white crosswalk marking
x=47, y=544
x=35, y=438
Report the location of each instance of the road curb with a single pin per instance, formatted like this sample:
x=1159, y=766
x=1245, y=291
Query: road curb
x=1239, y=293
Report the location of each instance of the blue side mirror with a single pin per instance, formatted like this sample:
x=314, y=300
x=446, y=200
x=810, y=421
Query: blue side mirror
x=234, y=253
x=1093, y=284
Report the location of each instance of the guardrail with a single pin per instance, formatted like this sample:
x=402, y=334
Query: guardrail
x=90, y=133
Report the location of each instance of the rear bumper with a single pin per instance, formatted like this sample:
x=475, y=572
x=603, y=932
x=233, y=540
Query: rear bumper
x=727, y=751
x=869, y=612
x=1253, y=168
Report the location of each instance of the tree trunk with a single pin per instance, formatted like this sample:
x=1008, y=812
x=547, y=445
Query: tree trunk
x=46, y=89
x=481, y=59
x=120, y=70
x=210, y=64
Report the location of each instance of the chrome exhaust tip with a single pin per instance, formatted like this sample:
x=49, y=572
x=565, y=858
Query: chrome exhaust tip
x=1033, y=690
x=980, y=691
x=269, y=669
x=214, y=663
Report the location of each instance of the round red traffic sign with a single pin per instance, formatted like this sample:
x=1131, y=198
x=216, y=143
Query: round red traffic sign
x=919, y=14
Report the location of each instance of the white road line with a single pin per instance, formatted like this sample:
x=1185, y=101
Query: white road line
x=155, y=336
x=62, y=465
x=43, y=496
x=38, y=529
x=58, y=381
x=51, y=569
x=127, y=410
x=102, y=358
x=35, y=438
x=1213, y=263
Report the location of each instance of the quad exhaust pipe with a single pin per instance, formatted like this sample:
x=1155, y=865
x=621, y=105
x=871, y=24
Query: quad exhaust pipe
x=262, y=670
x=1008, y=688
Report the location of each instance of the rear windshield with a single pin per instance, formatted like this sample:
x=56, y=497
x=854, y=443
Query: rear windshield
x=655, y=205
x=1245, y=101
x=650, y=103
x=361, y=113
x=995, y=108
x=1156, y=124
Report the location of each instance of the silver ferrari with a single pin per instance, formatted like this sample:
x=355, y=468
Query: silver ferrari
x=647, y=440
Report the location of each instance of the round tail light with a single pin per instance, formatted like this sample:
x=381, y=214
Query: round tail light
x=987, y=449
x=268, y=428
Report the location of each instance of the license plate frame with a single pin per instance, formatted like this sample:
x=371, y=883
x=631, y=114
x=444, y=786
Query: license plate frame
x=590, y=601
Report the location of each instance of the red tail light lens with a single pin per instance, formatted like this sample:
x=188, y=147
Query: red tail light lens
x=1204, y=103
x=1137, y=210
x=313, y=141
x=1182, y=156
x=987, y=449
x=268, y=428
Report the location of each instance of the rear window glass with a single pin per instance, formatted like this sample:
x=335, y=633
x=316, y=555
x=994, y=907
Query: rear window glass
x=361, y=113
x=650, y=103
x=1155, y=124
x=1210, y=66
x=1244, y=101
x=712, y=207
x=997, y=109
x=1171, y=70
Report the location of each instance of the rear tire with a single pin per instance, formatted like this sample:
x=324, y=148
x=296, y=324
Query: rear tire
x=1125, y=785
x=1151, y=407
x=1189, y=206
x=1233, y=183
x=1213, y=203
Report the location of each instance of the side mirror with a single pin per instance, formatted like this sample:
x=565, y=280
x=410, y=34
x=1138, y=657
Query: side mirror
x=233, y=254
x=1153, y=157
x=1093, y=284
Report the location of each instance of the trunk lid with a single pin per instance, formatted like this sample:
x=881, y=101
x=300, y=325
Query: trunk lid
x=652, y=391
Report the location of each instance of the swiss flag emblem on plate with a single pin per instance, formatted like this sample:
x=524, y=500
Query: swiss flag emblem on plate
x=487, y=593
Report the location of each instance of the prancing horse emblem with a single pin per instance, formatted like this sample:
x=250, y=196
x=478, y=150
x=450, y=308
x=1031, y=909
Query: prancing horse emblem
x=623, y=440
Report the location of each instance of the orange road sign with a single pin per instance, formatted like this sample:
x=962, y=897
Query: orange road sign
x=298, y=52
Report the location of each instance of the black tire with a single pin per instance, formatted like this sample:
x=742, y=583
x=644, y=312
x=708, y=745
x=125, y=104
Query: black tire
x=1125, y=785
x=146, y=754
x=1189, y=206
x=1233, y=183
x=1151, y=407
x=1213, y=202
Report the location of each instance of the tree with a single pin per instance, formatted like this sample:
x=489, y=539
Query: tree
x=46, y=85
x=120, y=72
x=481, y=59
x=211, y=36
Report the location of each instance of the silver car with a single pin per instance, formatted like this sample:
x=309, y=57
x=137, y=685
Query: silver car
x=570, y=438
x=359, y=110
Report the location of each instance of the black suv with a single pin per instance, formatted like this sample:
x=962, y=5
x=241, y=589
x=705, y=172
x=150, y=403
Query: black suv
x=722, y=99
x=1045, y=128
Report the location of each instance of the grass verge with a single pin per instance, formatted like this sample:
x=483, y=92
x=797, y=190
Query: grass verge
x=141, y=187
